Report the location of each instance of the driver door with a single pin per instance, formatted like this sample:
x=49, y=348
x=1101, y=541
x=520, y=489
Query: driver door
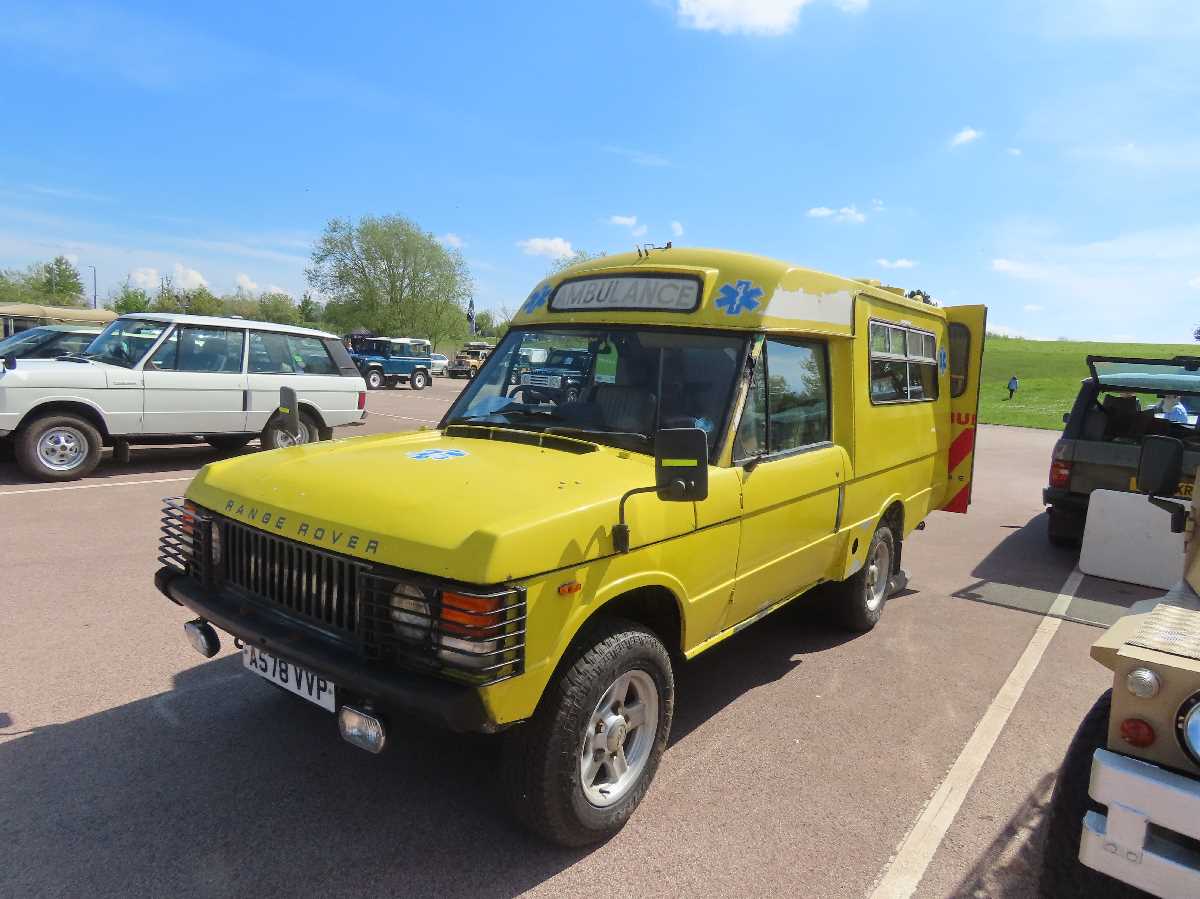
x=195, y=383
x=791, y=477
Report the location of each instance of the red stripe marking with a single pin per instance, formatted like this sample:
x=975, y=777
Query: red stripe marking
x=960, y=448
x=961, y=500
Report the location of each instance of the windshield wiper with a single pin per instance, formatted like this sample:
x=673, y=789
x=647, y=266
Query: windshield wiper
x=599, y=432
x=74, y=357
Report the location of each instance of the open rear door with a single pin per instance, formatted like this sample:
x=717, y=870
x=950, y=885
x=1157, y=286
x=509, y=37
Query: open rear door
x=966, y=328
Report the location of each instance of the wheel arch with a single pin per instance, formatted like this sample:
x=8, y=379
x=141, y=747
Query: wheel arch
x=91, y=413
x=858, y=536
x=652, y=600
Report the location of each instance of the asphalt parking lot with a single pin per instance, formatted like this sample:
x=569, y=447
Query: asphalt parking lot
x=914, y=760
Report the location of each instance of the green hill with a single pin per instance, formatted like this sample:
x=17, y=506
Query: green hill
x=1049, y=372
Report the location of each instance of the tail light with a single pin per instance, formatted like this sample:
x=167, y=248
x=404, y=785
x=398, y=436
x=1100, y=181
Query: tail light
x=362, y=399
x=1137, y=732
x=1060, y=474
x=1060, y=465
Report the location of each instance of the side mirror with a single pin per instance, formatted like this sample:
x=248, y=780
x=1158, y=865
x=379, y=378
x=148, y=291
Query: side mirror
x=680, y=475
x=681, y=464
x=289, y=411
x=10, y=362
x=1160, y=466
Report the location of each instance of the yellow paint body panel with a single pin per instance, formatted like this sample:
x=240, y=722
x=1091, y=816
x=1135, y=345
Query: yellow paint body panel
x=491, y=511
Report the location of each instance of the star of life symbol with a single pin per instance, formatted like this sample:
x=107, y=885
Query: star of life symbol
x=943, y=360
x=735, y=298
x=537, y=298
x=436, y=455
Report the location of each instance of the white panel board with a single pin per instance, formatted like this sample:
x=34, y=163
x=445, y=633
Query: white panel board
x=1128, y=539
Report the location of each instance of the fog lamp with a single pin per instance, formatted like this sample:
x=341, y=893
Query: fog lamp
x=203, y=637
x=1143, y=683
x=360, y=729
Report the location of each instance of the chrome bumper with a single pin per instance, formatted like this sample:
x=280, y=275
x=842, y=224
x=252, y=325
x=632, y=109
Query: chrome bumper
x=1118, y=843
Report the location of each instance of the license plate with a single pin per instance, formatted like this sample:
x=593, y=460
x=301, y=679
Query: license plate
x=300, y=681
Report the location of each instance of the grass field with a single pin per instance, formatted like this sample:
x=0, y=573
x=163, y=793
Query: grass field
x=1049, y=372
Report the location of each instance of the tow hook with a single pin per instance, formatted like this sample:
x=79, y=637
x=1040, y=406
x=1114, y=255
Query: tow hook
x=203, y=637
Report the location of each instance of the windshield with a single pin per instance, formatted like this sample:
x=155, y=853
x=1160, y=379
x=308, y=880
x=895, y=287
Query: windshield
x=609, y=393
x=22, y=342
x=125, y=341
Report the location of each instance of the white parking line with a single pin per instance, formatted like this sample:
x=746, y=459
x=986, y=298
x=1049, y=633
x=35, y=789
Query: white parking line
x=904, y=872
x=428, y=421
x=94, y=486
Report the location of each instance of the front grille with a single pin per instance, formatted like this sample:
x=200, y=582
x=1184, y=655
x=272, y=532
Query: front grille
x=542, y=380
x=387, y=617
x=318, y=587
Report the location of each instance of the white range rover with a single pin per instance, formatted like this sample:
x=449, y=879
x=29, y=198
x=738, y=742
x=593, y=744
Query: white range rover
x=151, y=375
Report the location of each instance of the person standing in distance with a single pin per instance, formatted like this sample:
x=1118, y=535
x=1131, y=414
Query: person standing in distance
x=1012, y=386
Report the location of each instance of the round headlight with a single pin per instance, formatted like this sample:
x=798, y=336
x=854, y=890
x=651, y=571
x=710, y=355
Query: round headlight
x=410, y=612
x=1143, y=683
x=1187, y=727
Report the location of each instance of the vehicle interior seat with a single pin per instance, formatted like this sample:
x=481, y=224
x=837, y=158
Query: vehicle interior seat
x=628, y=403
x=1124, y=417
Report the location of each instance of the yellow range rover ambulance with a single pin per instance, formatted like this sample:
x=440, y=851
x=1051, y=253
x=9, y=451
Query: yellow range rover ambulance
x=744, y=431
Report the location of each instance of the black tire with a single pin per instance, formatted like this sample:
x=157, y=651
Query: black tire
x=1063, y=529
x=419, y=380
x=855, y=600
x=275, y=437
x=227, y=443
x=472, y=374
x=541, y=767
x=1063, y=875
x=79, y=430
x=374, y=379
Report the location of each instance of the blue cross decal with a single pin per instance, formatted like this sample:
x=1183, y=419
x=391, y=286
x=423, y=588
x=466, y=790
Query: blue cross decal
x=737, y=297
x=436, y=455
x=537, y=298
x=943, y=360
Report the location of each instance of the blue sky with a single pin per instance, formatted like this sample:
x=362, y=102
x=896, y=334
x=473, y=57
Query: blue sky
x=1043, y=158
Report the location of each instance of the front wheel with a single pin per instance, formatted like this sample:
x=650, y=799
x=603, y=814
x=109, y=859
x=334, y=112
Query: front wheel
x=418, y=380
x=58, y=448
x=1063, y=875
x=580, y=767
x=374, y=379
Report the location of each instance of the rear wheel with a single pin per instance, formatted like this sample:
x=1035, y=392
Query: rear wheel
x=1063, y=875
x=418, y=380
x=58, y=448
x=374, y=379
x=860, y=598
x=276, y=436
x=1063, y=529
x=579, y=768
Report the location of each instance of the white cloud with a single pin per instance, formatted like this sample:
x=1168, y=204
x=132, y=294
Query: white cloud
x=1013, y=151
x=639, y=157
x=966, y=136
x=896, y=263
x=848, y=214
x=244, y=282
x=1194, y=282
x=676, y=229
x=145, y=278
x=552, y=247
x=638, y=231
x=758, y=17
x=1033, y=307
x=451, y=239
x=188, y=278
x=1018, y=269
x=275, y=288
x=629, y=221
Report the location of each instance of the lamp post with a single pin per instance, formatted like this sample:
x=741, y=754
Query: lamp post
x=93, y=268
